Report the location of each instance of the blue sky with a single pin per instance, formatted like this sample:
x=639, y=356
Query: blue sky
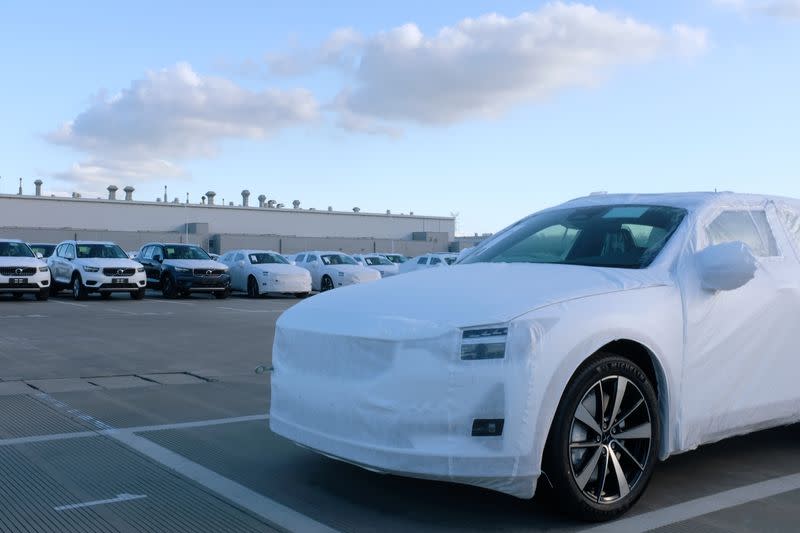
x=492, y=119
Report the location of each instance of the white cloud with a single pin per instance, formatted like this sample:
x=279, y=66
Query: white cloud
x=487, y=65
x=782, y=9
x=340, y=50
x=173, y=113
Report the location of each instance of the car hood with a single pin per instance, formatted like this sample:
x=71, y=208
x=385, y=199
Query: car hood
x=281, y=269
x=457, y=296
x=105, y=262
x=195, y=263
x=21, y=261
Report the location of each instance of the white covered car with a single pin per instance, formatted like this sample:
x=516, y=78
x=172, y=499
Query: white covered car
x=422, y=262
x=585, y=342
x=259, y=272
x=21, y=271
x=334, y=269
x=378, y=262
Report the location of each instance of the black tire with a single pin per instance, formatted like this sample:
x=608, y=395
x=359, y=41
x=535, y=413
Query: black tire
x=138, y=294
x=221, y=295
x=79, y=291
x=54, y=288
x=17, y=295
x=168, y=287
x=252, y=287
x=105, y=295
x=301, y=295
x=326, y=284
x=43, y=294
x=599, y=475
x=185, y=294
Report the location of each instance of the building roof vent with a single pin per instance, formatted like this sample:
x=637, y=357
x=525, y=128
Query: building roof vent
x=38, y=184
x=296, y=204
x=330, y=208
x=280, y=206
x=128, y=193
x=112, y=192
x=245, y=198
x=210, y=195
x=261, y=200
x=271, y=204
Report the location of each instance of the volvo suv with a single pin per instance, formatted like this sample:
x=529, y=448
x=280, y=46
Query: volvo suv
x=181, y=269
x=21, y=271
x=91, y=266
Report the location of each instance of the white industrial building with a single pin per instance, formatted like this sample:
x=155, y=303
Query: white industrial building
x=39, y=218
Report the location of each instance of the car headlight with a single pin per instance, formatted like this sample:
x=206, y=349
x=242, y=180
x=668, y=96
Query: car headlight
x=43, y=269
x=90, y=268
x=483, y=343
x=140, y=269
x=183, y=270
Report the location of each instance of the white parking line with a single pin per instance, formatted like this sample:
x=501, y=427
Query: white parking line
x=124, y=497
x=274, y=513
x=67, y=303
x=168, y=302
x=700, y=506
x=252, y=310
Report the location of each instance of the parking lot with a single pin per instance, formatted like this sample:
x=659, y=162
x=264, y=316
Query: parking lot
x=122, y=415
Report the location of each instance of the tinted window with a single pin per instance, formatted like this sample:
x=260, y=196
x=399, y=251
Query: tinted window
x=263, y=258
x=45, y=249
x=69, y=251
x=101, y=251
x=373, y=261
x=147, y=252
x=422, y=261
x=435, y=260
x=15, y=249
x=337, y=259
x=299, y=258
x=311, y=258
x=749, y=227
x=239, y=257
x=185, y=252
x=621, y=236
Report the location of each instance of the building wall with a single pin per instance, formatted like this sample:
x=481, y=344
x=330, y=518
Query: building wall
x=124, y=216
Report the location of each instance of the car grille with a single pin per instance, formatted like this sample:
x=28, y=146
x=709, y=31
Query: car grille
x=19, y=286
x=17, y=271
x=119, y=271
x=117, y=286
x=208, y=271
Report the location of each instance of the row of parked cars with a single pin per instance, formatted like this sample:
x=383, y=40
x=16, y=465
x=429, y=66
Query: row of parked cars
x=85, y=267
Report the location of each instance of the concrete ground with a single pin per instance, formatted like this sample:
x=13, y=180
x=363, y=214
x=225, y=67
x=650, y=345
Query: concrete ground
x=121, y=415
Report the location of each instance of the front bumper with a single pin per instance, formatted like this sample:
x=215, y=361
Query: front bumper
x=287, y=284
x=97, y=281
x=405, y=407
x=32, y=284
x=192, y=283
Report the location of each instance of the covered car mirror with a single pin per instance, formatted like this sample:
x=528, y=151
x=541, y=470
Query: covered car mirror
x=39, y=255
x=726, y=266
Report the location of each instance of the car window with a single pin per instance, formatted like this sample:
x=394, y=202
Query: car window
x=185, y=252
x=435, y=260
x=60, y=250
x=422, y=261
x=791, y=220
x=69, y=252
x=239, y=257
x=749, y=227
x=147, y=253
x=311, y=258
x=101, y=251
x=299, y=258
x=15, y=249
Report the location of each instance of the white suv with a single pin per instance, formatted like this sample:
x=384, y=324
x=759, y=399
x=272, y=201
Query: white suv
x=21, y=271
x=334, y=269
x=89, y=266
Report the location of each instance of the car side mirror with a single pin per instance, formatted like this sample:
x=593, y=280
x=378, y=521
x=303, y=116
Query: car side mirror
x=39, y=255
x=158, y=259
x=726, y=266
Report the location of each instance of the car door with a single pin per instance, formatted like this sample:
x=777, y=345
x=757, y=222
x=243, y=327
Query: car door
x=314, y=266
x=154, y=264
x=741, y=347
x=67, y=266
x=54, y=262
x=238, y=271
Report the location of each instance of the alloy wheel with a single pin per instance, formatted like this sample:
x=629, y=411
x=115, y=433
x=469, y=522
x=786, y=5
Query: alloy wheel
x=610, y=439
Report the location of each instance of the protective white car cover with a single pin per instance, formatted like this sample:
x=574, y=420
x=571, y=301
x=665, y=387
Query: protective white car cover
x=383, y=386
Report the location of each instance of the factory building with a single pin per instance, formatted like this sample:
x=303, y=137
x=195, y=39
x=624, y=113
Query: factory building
x=131, y=223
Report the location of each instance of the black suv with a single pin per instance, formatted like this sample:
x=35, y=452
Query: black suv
x=181, y=269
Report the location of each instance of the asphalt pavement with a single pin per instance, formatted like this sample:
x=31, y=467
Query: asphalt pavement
x=122, y=415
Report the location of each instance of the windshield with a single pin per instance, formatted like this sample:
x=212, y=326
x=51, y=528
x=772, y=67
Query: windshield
x=101, y=251
x=394, y=258
x=621, y=236
x=185, y=252
x=15, y=249
x=338, y=259
x=264, y=258
x=375, y=260
x=45, y=249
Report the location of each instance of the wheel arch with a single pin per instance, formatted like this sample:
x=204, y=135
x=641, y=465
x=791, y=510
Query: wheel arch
x=645, y=358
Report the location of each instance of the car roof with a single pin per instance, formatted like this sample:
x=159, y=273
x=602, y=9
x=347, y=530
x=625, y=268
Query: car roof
x=251, y=251
x=12, y=240
x=88, y=242
x=691, y=201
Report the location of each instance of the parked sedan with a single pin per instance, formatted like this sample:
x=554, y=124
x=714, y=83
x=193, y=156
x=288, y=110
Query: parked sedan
x=181, y=269
x=379, y=263
x=94, y=266
x=334, y=269
x=583, y=344
x=259, y=272
x=21, y=272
